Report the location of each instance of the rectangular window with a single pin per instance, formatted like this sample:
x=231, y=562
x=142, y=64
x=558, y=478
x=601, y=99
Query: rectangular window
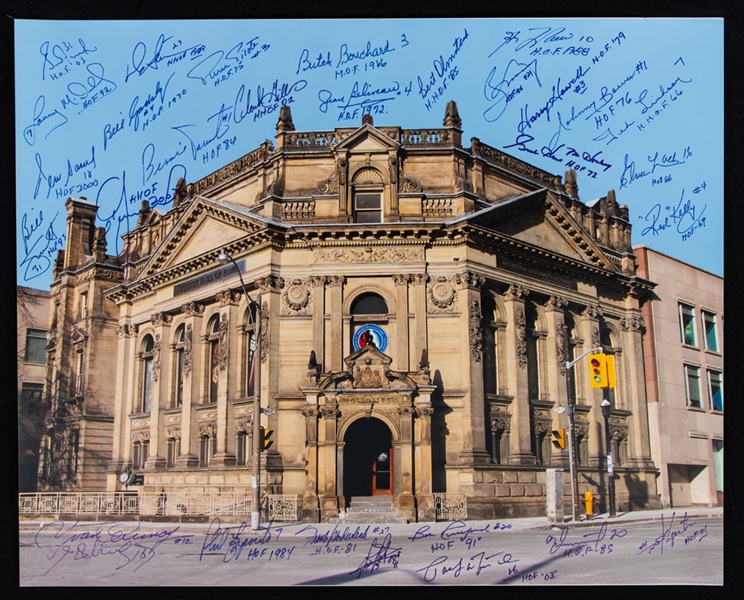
x=718, y=464
x=687, y=324
x=35, y=346
x=31, y=394
x=715, y=391
x=83, y=305
x=692, y=380
x=709, y=323
x=367, y=208
x=147, y=386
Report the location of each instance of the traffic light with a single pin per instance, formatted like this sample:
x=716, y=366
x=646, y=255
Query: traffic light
x=266, y=440
x=559, y=438
x=602, y=370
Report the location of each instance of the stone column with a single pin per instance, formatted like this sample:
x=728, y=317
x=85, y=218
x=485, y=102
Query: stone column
x=520, y=452
x=419, y=310
x=639, y=446
x=426, y=509
x=194, y=314
x=401, y=288
x=474, y=412
x=327, y=462
x=160, y=380
x=318, y=284
x=590, y=331
x=228, y=318
x=336, y=345
x=556, y=363
x=126, y=350
x=406, y=503
x=310, y=510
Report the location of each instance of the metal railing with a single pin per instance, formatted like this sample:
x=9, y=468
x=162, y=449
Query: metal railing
x=283, y=508
x=451, y=507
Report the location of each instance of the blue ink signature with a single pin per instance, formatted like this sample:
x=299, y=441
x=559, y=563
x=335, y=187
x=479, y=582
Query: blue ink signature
x=498, y=94
x=333, y=536
x=667, y=535
x=630, y=174
x=304, y=63
x=217, y=537
x=379, y=555
x=684, y=217
x=346, y=56
x=558, y=91
x=221, y=65
x=589, y=542
x=59, y=54
x=120, y=217
x=37, y=253
x=140, y=67
x=475, y=563
x=86, y=94
x=39, y=118
x=107, y=539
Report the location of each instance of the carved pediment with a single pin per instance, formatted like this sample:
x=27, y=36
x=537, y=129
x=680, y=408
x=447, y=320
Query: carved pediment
x=541, y=220
x=367, y=139
x=367, y=369
x=197, y=230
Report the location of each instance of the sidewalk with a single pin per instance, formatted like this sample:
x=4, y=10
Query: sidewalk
x=522, y=524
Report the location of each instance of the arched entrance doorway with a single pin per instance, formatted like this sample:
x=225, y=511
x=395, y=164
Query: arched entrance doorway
x=368, y=459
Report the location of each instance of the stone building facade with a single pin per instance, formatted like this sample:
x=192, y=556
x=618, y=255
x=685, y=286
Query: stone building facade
x=414, y=295
x=683, y=350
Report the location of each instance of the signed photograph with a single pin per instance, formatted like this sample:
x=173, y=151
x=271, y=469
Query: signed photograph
x=407, y=301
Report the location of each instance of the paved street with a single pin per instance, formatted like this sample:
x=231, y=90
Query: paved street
x=655, y=547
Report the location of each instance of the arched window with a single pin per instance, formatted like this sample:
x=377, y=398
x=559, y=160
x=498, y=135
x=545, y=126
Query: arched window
x=252, y=351
x=148, y=346
x=367, y=196
x=180, y=359
x=490, y=376
x=533, y=372
x=571, y=354
x=214, y=358
x=369, y=303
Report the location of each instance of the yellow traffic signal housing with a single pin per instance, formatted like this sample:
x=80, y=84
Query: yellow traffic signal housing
x=602, y=370
x=559, y=438
x=266, y=442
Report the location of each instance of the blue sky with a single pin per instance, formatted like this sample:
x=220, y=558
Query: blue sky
x=117, y=111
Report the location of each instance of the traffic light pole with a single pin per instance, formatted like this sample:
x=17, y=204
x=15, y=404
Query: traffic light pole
x=572, y=455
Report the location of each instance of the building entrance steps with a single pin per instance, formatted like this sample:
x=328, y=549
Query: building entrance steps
x=369, y=509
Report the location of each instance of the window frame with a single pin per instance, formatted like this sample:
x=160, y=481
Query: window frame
x=31, y=334
x=379, y=209
x=180, y=357
x=719, y=374
x=147, y=356
x=688, y=371
x=707, y=313
x=681, y=308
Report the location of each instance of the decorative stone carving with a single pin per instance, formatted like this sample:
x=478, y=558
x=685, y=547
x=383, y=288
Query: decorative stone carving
x=173, y=433
x=556, y=303
x=392, y=254
x=264, y=332
x=207, y=429
x=379, y=398
x=141, y=435
x=634, y=323
x=476, y=333
x=596, y=343
x=393, y=167
x=402, y=279
x=329, y=412
x=368, y=176
x=420, y=278
x=516, y=292
x=342, y=167
x=188, y=344
x=156, y=358
x=228, y=297
x=591, y=312
x=560, y=349
x=161, y=318
x=369, y=376
x=193, y=309
x=270, y=283
x=335, y=280
x=470, y=280
x=126, y=330
x=330, y=184
x=297, y=298
x=442, y=295
x=409, y=185
x=222, y=359
x=521, y=335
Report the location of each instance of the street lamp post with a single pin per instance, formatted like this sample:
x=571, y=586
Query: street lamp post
x=606, y=407
x=223, y=259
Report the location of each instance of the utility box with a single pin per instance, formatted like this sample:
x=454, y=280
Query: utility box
x=554, y=495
